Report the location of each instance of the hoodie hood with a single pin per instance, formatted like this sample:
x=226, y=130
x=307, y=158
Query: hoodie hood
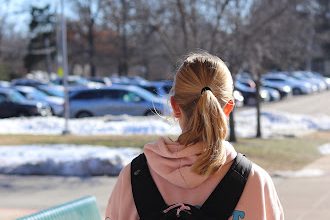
x=173, y=161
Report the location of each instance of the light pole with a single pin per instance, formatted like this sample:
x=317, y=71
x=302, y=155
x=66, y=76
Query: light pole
x=65, y=70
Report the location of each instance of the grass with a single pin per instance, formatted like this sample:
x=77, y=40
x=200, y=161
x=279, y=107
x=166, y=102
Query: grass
x=272, y=154
x=281, y=154
x=110, y=141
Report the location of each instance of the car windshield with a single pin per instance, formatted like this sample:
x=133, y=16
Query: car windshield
x=16, y=97
x=36, y=94
x=145, y=94
x=151, y=89
x=52, y=91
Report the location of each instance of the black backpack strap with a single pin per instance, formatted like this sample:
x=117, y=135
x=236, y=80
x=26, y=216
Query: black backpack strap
x=223, y=200
x=146, y=195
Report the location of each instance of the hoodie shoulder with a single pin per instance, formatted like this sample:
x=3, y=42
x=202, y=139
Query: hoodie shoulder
x=259, y=199
x=121, y=198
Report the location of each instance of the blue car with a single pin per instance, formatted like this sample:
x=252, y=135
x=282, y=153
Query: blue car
x=249, y=92
x=116, y=100
x=158, y=88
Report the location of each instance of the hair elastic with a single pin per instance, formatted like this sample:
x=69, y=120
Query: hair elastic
x=205, y=88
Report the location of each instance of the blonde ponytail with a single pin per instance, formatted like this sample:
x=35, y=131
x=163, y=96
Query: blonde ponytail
x=204, y=119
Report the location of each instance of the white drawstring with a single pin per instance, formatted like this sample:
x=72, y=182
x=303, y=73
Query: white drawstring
x=183, y=207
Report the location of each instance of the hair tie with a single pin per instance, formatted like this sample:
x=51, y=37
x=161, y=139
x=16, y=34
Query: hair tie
x=205, y=88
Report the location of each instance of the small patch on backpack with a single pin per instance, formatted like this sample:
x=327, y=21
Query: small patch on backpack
x=137, y=172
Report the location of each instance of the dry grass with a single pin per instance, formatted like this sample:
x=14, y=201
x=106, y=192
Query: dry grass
x=281, y=154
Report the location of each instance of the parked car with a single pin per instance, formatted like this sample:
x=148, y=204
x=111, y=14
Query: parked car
x=27, y=82
x=103, y=80
x=127, y=80
x=13, y=104
x=158, y=88
x=56, y=103
x=249, y=92
x=77, y=82
x=283, y=88
x=246, y=78
x=319, y=83
x=239, y=98
x=274, y=95
x=52, y=90
x=116, y=100
x=5, y=84
x=325, y=79
x=298, y=86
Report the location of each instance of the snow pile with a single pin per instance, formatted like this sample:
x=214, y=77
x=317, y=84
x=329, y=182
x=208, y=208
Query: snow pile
x=120, y=125
x=64, y=160
x=273, y=124
x=325, y=149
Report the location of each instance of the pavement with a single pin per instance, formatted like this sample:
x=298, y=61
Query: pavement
x=305, y=194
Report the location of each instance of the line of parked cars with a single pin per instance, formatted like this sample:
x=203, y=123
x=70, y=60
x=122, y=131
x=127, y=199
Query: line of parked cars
x=275, y=86
x=137, y=96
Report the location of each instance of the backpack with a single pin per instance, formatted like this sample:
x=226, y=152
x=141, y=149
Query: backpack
x=219, y=205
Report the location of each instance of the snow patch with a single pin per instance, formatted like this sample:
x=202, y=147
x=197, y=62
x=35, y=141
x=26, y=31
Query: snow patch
x=279, y=124
x=64, y=160
x=273, y=124
x=325, y=149
x=89, y=126
x=300, y=173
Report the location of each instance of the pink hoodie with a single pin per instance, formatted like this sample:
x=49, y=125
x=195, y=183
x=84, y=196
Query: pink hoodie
x=170, y=167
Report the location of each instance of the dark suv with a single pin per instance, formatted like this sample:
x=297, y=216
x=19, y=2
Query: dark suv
x=13, y=104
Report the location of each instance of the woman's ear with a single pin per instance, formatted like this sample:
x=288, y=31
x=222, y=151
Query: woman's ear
x=175, y=107
x=229, y=107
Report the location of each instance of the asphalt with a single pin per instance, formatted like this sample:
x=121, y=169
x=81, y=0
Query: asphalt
x=305, y=194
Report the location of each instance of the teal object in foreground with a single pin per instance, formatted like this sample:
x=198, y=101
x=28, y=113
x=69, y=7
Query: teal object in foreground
x=84, y=208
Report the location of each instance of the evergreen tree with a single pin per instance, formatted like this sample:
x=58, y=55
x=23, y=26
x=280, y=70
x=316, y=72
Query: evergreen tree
x=42, y=45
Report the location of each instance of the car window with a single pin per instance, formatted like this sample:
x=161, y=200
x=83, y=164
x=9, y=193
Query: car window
x=16, y=97
x=3, y=97
x=151, y=89
x=167, y=89
x=274, y=79
x=52, y=91
x=89, y=94
x=131, y=97
x=112, y=94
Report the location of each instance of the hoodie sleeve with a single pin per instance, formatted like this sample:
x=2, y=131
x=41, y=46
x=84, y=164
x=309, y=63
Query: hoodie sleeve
x=259, y=199
x=121, y=204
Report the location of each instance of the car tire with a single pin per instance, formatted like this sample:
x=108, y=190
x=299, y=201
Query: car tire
x=251, y=101
x=296, y=91
x=23, y=114
x=52, y=112
x=84, y=114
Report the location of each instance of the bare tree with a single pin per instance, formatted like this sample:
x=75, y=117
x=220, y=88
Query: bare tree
x=88, y=11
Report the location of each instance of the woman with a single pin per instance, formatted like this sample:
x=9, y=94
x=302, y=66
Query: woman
x=188, y=170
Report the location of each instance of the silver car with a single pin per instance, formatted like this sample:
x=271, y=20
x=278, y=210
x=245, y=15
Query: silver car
x=115, y=100
x=298, y=87
x=56, y=103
